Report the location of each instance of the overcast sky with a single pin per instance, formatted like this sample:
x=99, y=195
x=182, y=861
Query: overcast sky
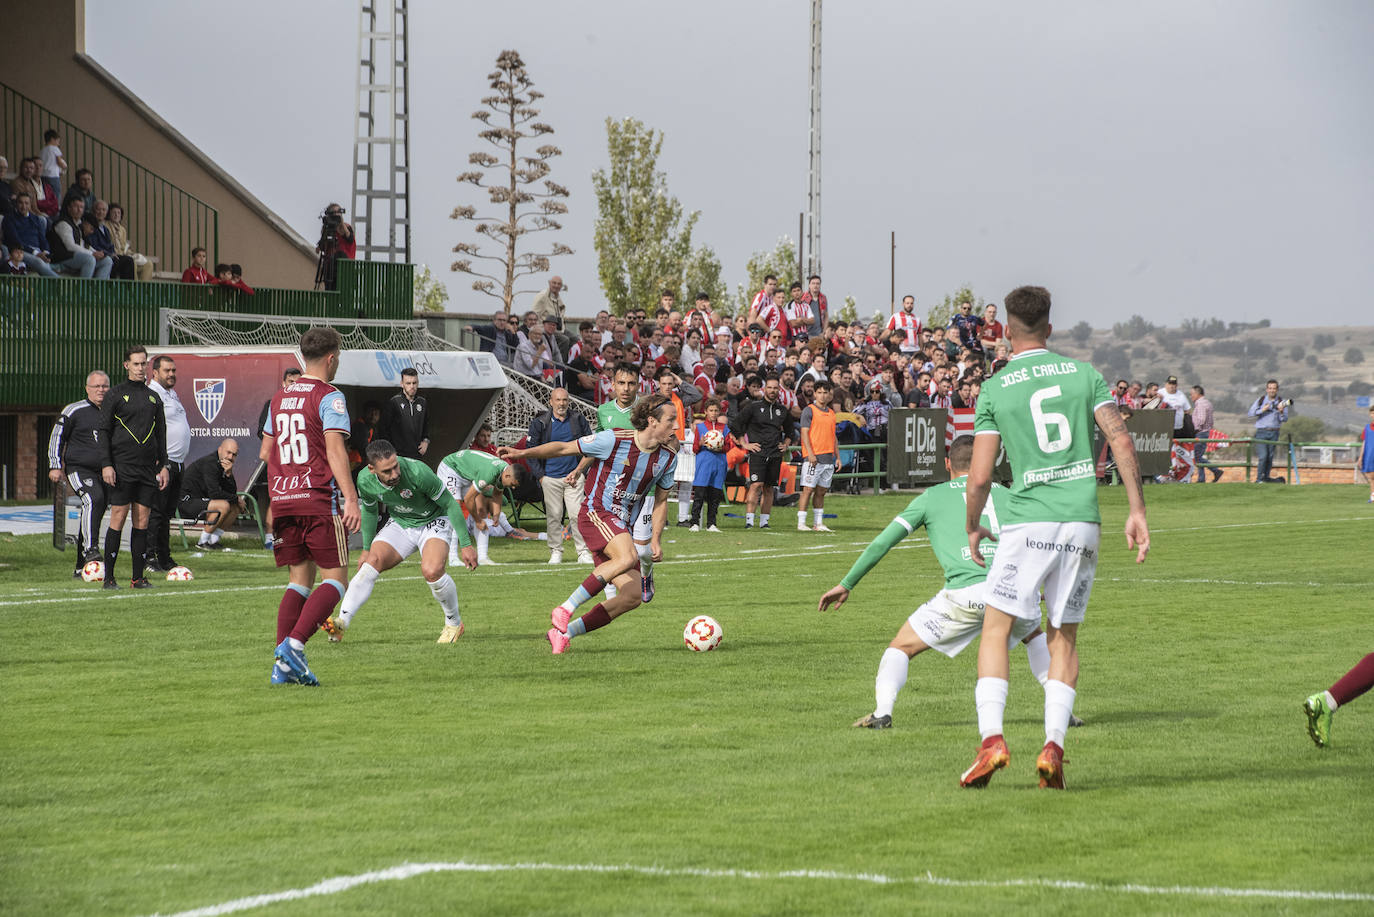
x=1175, y=159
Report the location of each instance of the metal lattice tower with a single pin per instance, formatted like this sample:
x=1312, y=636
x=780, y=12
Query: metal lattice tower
x=813, y=189
x=381, y=140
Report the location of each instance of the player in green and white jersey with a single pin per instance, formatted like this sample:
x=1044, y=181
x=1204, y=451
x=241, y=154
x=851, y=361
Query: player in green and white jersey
x=948, y=622
x=424, y=516
x=477, y=479
x=1041, y=408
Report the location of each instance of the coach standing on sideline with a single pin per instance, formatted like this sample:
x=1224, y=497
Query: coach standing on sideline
x=135, y=467
x=75, y=449
x=405, y=419
x=559, y=424
x=163, y=381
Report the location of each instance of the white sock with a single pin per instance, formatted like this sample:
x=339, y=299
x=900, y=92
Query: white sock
x=1058, y=708
x=763, y=518
x=1330, y=701
x=801, y=517
x=990, y=696
x=684, y=501
x=611, y=591
x=892, y=669
x=646, y=558
x=748, y=518
x=1038, y=655
x=483, y=539
x=359, y=591
x=204, y=539
x=214, y=536
x=446, y=594
x=819, y=515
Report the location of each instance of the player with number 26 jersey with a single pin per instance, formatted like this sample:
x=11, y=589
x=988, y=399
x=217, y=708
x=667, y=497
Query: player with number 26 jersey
x=299, y=479
x=1042, y=404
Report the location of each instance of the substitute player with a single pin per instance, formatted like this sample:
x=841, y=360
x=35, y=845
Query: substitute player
x=1041, y=407
x=820, y=455
x=627, y=465
x=314, y=504
x=424, y=517
x=476, y=480
x=949, y=621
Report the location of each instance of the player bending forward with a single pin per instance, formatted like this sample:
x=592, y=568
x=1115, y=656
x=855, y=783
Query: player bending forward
x=1041, y=406
x=424, y=517
x=476, y=479
x=307, y=474
x=949, y=621
x=627, y=465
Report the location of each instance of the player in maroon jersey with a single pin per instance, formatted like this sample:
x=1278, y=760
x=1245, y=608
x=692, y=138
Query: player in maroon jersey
x=314, y=503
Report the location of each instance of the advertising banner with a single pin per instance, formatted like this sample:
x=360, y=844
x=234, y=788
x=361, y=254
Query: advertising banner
x=1153, y=434
x=916, y=446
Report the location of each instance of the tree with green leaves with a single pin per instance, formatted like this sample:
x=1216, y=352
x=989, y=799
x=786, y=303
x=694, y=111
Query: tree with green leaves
x=430, y=293
x=643, y=236
x=520, y=208
x=781, y=262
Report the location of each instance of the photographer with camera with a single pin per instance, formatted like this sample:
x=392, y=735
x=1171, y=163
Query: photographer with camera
x=336, y=242
x=1270, y=412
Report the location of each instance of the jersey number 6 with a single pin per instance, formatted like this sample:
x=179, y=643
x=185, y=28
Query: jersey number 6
x=1045, y=419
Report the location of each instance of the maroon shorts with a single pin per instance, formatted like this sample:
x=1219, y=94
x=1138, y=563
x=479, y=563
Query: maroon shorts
x=297, y=539
x=597, y=531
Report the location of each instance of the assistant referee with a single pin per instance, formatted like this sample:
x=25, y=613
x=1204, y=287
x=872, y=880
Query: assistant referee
x=135, y=432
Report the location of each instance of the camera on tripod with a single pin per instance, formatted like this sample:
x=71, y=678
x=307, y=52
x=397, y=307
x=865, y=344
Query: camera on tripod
x=330, y=222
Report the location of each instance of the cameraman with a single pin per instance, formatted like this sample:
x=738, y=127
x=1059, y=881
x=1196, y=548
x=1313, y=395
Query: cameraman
x=1270, y=413
x=336, y=242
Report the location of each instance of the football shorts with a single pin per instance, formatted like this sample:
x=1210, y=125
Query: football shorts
x=817, y=474
x=765, y=468
x=1058, y=558
x=954, y=617
x=297, y=539
x=598, y=530
x=135, y=484
x=406, y=541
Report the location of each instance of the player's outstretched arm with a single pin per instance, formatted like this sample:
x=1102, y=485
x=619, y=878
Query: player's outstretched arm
x=1113, y=427
x=542, y=451
x=985, y=448
x=337, y=452
x=836, y=597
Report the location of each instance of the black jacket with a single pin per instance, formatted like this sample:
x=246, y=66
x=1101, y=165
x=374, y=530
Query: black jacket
x=205, y=478
x=76, y=440
x=764, y=423
x=539, y=434
x=405, y=424
x=134, y=427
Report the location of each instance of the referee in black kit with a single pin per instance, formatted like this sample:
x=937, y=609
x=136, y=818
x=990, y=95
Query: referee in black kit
x=135, y=432
x=77, y=452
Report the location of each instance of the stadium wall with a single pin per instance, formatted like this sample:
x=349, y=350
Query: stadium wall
x=49, y=64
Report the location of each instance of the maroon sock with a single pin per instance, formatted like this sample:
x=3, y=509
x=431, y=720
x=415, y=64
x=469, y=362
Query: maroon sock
x=593, y=584
x=317, y=608
x=289, y=611
x=1352, y=684
x=595, y=618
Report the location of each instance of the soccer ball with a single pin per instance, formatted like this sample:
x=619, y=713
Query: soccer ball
x=713, y=440
x=703, y=633
x=94, y=571
x=179, y=575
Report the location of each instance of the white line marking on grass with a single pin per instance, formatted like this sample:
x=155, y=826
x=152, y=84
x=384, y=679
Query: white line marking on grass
x=409, y=870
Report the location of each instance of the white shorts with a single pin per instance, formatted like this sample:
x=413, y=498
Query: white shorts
x=686, y=468
x=814, y=474
x=1059, y=558
x=407, y=541
x=454, y=483
x=643, y=529
x=950, y=621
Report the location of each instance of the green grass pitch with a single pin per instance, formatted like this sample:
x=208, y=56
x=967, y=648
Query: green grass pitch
x=146, y=766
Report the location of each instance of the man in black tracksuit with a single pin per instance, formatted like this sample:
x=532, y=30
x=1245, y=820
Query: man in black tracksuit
x=77, y=451
x=405, y=419
x=135, y=468
x=761, y=428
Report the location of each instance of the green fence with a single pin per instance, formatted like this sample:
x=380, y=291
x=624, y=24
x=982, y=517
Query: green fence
x=53, y=332
x=163, y=220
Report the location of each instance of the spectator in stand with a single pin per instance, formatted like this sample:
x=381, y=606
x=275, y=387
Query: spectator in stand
x=70, y=253
x=906, y=323
x=561, y=495
x=114, y=222
x=26, y=233
x=97, y=236
x=53, y=163
x=497, y=338
x=1132, y=399
x=1203, y=418
x=800, y=315
x=1150, y=400
x=236, y=279
x=1270, y=413
x=762, y=299
x=43, y=201
x=84, y=188
x=208, y=488
x=405, y=418
x=992, y=331
x=1000, y=357
x=875, y=411
x=820, y=308
x=534, y=356
x=968, y=327
x=481, y=440
x=1120, y=392
x=14, y=265
x=549, y=302
x=224, y=277
x=919, y=394
x=197, y=273
x=1172, y=399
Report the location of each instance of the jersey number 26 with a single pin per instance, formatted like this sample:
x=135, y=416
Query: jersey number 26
x=292, y=447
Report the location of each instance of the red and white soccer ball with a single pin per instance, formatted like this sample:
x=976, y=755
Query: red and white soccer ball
x=94, y=571
x=179, y=575
x=713, y=440
x=702, y=633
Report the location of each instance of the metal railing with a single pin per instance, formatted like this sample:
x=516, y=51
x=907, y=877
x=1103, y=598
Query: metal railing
x=54, y=331
x=163, y=220
x=1285, y=455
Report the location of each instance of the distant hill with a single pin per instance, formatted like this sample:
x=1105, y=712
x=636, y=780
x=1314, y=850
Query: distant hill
x=1233, y=367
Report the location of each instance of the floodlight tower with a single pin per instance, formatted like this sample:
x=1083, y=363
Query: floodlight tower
x=381, y=140
x=813, y=189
